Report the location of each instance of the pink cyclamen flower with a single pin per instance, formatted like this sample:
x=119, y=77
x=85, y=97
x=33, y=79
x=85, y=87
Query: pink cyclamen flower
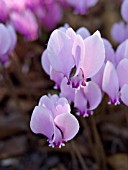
x=74, y=57
x=115, y=83
x=87, y=99
x=53, y=119
x=25, y=23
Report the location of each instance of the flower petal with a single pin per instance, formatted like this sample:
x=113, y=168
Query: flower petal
x=124, y=10
x=45, y=62
x=5, y=40
x=60, y=52
x=122, y=72
x=68, y=124
x=67, y=91
x=124, y=94
x=62, y=106
x=93, y=95
x=122, y=51
x=110, y=83
x=42, y=122
x=99, y=76
x=119, y=32
x=109, y=51
x=83, y=32
x=80, y=101
x=46, y=102
x=94, y=55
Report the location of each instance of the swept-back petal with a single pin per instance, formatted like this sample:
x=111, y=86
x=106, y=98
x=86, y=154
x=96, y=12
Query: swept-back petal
x=93, y=95
x=42, y=122
x=99, y=76
x=122, y=72
x=5, y=40
x=46, y=102
x=56, y=76
x=67, y=91
x=45, y=62
x=124, y=10
x=94, y=55
x=68, y=124
x=124, y=94
x=83, y=32
x=60, y=52
x=122, y=51
x=62, y=106
x=80, y=101
x=110, y=83
x=109, y=51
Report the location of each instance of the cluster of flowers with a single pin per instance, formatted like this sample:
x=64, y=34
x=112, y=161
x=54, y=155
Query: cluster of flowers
x=8, y=41
x=119, y=30
x=27, y=15
x=83, y=67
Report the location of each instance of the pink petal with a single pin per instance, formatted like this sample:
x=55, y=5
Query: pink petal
x=56, y=76
x=62, y=106
x=110, y=83
x=83, y=32
x=60, y=52
x=45, y=62
x=80, y=101
x=122, y=51
x=5, y=40
x=122, y=71
x=67, y=91
x=99, y=76
x=119, y=32
x=124, y=10
x=94, y=55
x=46, y=102
x=71, y=33
x=93, y=95
x=124, y=94
x=109, y=51
x=68, y=124
x=42, y=122
x=13, y=37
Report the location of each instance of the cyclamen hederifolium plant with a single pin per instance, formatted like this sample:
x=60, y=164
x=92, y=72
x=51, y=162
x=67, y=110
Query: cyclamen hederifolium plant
x=83, y=67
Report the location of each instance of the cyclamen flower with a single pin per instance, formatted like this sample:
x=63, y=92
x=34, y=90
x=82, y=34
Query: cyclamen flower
x=87, y=99
x=74, y=57
x=25, y=15
x=115, y=84
x=7, y=42
x=53, y=119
